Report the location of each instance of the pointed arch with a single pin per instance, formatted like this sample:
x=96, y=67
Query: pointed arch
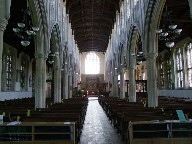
x=39, y=18
x=152, y=21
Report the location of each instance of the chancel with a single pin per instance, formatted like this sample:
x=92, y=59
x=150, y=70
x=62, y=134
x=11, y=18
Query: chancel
x=96, y=71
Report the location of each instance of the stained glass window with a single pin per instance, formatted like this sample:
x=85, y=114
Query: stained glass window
x=189, y=64
x=23, y=73
x=168, y=72
x=92, y=64
x=162, y=74
x=179, y=57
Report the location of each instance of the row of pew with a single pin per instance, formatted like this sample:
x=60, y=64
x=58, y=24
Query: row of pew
x=70, y=110
x=121, y=112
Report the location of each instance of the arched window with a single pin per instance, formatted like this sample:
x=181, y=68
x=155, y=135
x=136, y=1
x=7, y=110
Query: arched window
x=92, y=64
x=189, y=64
x=9, y=72
x=179, y=68
x=168, y=75
x=23, y=74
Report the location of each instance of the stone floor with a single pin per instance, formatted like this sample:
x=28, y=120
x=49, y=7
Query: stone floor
x=97, y=129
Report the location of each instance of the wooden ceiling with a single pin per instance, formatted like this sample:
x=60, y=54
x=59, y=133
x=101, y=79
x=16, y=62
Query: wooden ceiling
x=92, y=22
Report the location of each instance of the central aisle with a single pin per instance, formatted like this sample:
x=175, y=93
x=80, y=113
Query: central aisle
x=97, y=129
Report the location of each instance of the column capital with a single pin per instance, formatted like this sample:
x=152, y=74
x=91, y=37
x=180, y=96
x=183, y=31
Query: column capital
x=151, y=55
x=122, y=71
x=3, y=24
x=57, y=68
x=131, y=67
x=39, y=56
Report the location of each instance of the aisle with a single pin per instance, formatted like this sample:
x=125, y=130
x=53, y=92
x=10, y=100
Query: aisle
x=97, y=129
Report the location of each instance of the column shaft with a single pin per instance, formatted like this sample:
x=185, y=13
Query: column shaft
x=115, y=86
x=44, y=83
x=152, y=80
x=3, y=24
x=1, y=54
x=66, y=84
x=70, y=85
x=132, y=85
x=39, y=83
x=190, y=6
x=122, y=85
x=57, y=85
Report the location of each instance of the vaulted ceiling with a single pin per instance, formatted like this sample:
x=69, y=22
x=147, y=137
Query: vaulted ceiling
x=92, y=22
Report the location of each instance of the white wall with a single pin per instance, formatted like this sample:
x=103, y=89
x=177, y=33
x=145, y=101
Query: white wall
x=176, y=93
x=82, y=61
x=14, y=95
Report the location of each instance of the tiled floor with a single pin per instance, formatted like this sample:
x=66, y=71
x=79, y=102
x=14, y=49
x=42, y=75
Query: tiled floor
x=97, y=129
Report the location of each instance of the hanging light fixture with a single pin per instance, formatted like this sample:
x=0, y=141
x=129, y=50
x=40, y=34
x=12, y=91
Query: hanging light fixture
x=139, y=54
x=51, y=57
x=169, y=31
x=25, y=30
x=140, y=57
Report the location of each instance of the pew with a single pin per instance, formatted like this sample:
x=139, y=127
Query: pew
x=121, y=112
x=38, y=133
x=70, y=110
x=160, y=132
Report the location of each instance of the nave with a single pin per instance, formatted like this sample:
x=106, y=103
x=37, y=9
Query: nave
x=97, y=128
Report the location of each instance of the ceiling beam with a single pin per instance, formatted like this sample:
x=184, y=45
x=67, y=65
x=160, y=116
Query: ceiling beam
x=112, y=3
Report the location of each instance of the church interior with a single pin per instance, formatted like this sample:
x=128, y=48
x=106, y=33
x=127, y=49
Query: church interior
x=96, y=71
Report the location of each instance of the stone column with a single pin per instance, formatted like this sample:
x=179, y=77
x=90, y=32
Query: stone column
x=3, y=24
x=70, y=84
x=66, y=84
x=39, y=83
x=122, y=84
x=4, y=16
x=115, y=84
x=108, y=85
x=111, y=84
x=152, y=79
x=190, y=6
x=57, y=81
x=59, y=86
x=44, y=83
x=132, y=85
x=75, y=79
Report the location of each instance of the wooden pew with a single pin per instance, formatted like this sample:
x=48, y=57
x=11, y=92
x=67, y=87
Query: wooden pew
x=38, y=133
x=160, y=132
